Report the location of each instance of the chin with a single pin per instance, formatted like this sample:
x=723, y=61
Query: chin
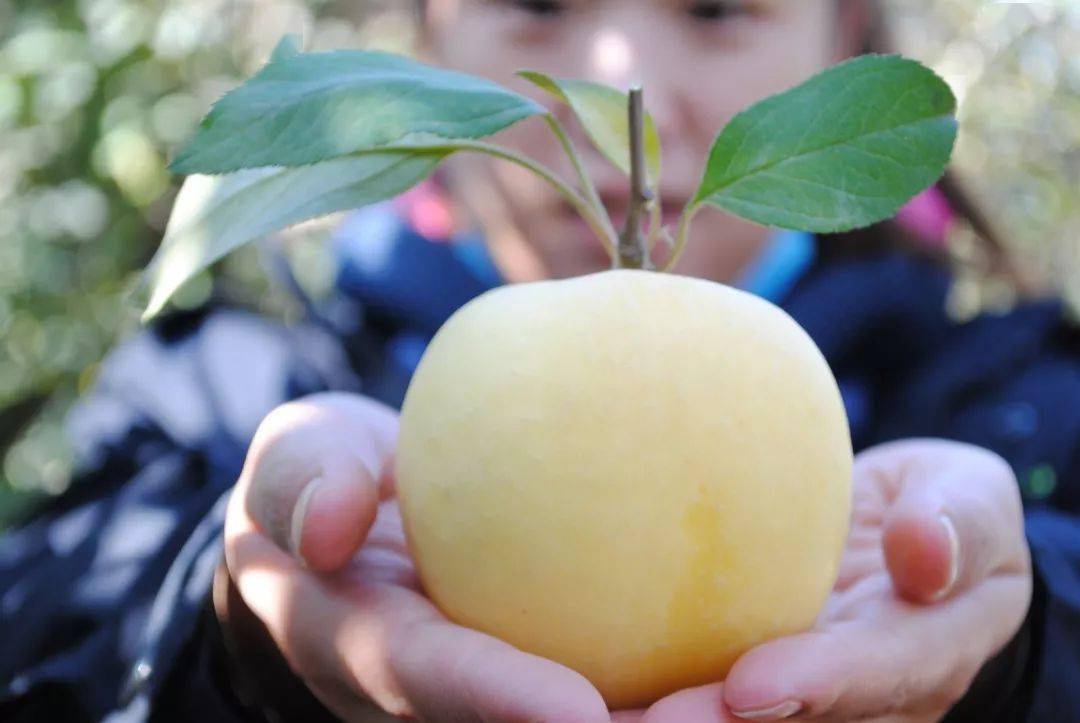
x=570, y=264
x=567, y=247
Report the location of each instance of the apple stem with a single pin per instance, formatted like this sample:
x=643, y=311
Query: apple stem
x=633, y=247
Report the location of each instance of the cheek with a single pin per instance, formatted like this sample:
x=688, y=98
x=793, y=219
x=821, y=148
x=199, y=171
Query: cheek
x=767, y=57
x=721, y=246
x=797, y=53
x=530, y=201
x=481, y=42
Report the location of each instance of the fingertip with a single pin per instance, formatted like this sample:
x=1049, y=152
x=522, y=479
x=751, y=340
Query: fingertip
x=388, y=478
x=803, y=674
x=456, y=673
x=542, y=690
x=331, y=520
x=922, y=555
x=762, y=679
x=627, y=716
x=588, y=707
x=704, y=704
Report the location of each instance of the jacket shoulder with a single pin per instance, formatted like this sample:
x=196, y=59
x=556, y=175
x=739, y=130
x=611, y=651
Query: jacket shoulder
x=194, y=377
x=1009, y=382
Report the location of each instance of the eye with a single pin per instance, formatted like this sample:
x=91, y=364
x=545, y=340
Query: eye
x=715, y=10
x=540, y=8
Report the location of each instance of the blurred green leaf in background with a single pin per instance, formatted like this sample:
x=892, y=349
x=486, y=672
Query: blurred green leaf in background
x=96, y=96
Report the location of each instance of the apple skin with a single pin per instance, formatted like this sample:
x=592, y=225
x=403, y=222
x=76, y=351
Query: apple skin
x=638, y=475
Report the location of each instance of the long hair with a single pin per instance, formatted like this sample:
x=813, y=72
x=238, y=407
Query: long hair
x=964, y=208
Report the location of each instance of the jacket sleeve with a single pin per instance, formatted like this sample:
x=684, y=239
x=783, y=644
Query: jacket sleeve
x=1036, y=677
x=1034, y=421
x=1011, y=384
x=106, y=590
x=1055, y=546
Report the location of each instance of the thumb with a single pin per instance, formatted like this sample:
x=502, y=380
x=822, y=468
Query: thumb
x=956, y=520
x=314, y=475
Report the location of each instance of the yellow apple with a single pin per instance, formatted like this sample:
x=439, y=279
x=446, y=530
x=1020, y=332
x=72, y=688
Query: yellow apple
x=635, y=474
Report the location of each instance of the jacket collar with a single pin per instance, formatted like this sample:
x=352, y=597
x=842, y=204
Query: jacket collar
x=401, y=266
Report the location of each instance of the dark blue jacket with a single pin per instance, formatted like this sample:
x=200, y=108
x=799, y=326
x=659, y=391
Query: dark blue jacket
x=103, y=596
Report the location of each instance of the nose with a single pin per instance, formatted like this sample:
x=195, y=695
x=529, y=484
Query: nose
x=616, y=57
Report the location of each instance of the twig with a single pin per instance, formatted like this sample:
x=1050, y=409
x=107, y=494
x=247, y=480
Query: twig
x=633, y=247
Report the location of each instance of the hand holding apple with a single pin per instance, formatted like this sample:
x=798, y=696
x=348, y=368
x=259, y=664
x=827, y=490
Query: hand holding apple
x=364, y=637
x=936, y=578
x=314, y=544
x=638, y=475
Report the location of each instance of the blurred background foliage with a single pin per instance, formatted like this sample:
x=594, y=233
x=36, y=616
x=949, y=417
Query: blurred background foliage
x=96, y=94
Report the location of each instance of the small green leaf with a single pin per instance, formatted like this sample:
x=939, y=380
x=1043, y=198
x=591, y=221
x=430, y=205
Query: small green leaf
x=312, y=107
x=604, y=113
x=214, y=215
x=846, y=149
x=289, y=46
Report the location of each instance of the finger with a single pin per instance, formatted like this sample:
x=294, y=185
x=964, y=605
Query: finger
x=452, y=673
x=922, y=550
x=955, y=521
x=388, y=478
x=388, y=644
x=312, y=478
x=857, y=565
x=897, y=657
x=700, y=705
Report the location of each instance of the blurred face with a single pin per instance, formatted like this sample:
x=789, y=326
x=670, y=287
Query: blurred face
x=699, y=61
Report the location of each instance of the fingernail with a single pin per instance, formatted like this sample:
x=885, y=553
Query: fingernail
x=296, y=526
x=778, y=712
x=954, y=558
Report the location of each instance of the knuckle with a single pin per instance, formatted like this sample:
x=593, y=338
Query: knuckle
x=1004, y=480
x=291, y=416
x=284, y=456
x=293, y=432
x=997, y=475
x=904, y=692
x=955, y=686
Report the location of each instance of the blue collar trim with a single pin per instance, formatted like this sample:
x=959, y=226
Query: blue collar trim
x=378, y=254
x=781, y=264
x=785, y=259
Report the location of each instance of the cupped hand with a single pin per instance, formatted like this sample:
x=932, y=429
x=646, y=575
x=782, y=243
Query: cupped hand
x=935, y=579
x=315, y=545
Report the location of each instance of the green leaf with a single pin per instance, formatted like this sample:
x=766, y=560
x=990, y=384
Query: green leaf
x=846, y=149
x=214, y=215
x=604, y=113
x=289, y=46
x=312, y=107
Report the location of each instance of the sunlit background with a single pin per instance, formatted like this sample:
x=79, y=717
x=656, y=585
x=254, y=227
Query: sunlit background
x=95, y=95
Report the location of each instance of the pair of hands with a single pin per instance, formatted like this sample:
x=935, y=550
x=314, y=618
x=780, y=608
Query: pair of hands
x=935, y=579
